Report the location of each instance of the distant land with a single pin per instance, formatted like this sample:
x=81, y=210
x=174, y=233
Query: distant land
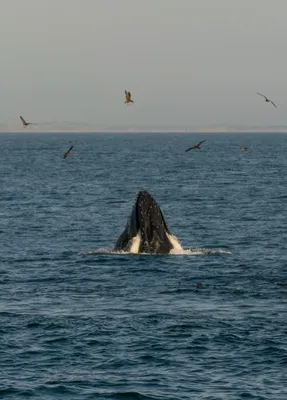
x=76, y=127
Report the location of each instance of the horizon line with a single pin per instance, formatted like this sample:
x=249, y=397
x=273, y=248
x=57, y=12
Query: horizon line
x=136, y=131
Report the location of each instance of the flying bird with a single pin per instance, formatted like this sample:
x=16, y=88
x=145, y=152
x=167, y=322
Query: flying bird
x=128, y=97
x=68, y=153
x=197, y=146
x=267, y=100
x=24, y=122
x=243, y=148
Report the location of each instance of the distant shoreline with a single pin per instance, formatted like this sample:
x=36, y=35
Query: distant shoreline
x=122, y=131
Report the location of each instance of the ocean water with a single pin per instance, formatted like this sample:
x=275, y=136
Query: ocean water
x=78, y=321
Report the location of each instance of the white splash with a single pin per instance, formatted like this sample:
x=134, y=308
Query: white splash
x=177, y=249
x=173, y=252
x=198, y=252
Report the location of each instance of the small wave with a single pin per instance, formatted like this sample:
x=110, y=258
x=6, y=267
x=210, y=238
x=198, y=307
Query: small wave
x=132, y=396
x=199, y=252
x=102, y=251
x=176, y=251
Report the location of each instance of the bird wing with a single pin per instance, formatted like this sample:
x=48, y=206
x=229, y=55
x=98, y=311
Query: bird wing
x=22, y=119
x=262, y=95
x=200, y=142
x=190, y=148
x=68, y=151
x=273, y=104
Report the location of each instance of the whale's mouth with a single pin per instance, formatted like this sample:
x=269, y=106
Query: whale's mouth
x=146, y=230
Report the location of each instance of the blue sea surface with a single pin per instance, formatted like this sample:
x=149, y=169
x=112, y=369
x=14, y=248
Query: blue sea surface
x=80, y=322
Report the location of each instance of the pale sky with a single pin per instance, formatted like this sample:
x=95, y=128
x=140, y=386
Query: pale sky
x=186, y=62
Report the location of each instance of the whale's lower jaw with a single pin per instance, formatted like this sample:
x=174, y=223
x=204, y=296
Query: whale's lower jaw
x=136, y=247
x=135, y=244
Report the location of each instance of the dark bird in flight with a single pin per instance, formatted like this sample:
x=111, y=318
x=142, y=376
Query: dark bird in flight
x=197, y=146
x=68, y=153
x=243, y=148
x=128, y=97
x=24, y=122
x=267, y=100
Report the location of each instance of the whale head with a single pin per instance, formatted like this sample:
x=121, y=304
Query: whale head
x=146, y=230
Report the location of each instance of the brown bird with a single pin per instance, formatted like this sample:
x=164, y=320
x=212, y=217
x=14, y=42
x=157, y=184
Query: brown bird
x=267, y=100
x=68, y=153
x=243, y=148
x=24, y=122
x=128, y=97
x=197, y=146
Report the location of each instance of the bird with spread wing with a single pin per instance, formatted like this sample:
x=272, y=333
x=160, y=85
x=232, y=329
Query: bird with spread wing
x=197, y=146
x=68, y=153
x=25, y=123
x=128, y=97
x=267, y=100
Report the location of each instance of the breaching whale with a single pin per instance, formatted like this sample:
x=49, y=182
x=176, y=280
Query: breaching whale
x=146, y=230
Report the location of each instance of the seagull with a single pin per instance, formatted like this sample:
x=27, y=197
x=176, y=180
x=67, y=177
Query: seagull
x=24, y=122
x=267, y=100
x=68, y=153
x=243, y=148
x=197, y=146
x=128, y=97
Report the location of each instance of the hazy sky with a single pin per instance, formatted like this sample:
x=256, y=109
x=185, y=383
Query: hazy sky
x=186, y=62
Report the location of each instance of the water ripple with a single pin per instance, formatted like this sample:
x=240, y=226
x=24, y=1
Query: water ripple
x=79, y=321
